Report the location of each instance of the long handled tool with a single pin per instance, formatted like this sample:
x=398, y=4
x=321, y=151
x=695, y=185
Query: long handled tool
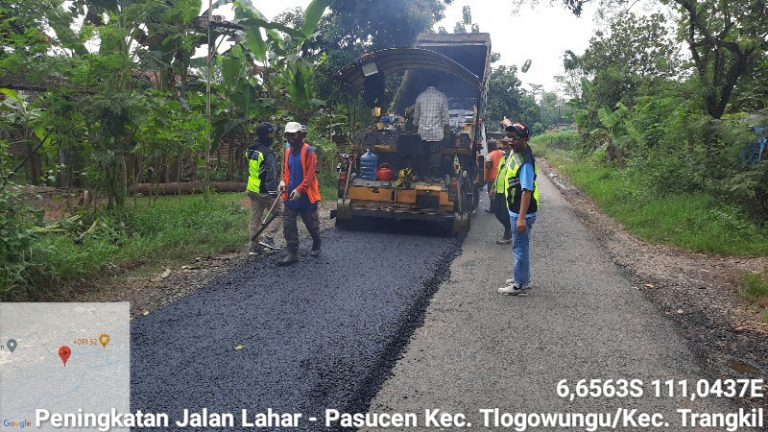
x=271, y=216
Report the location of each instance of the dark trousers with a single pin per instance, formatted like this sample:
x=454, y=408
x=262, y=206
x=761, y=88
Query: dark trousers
x=311, y=218
x=433, y=158
x=500, y=210
x=260, y=205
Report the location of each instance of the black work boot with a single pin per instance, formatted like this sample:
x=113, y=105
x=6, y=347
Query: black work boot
x=291, y=256
x=315, y=252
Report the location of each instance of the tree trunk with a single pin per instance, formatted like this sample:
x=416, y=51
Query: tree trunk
x=34, y=168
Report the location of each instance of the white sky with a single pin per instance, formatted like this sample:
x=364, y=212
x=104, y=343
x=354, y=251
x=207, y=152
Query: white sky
x=541, y=34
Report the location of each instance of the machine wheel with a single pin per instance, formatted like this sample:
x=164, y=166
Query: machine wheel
x=343, y=214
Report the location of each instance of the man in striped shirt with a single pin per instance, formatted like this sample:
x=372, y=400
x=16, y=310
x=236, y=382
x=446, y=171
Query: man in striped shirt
x=431, y=117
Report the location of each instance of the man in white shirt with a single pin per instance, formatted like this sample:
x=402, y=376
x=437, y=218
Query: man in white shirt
x=431, y=117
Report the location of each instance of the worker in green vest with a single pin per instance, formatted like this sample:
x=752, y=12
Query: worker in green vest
x=522, y=203
x=500, y=195
x=262, y=188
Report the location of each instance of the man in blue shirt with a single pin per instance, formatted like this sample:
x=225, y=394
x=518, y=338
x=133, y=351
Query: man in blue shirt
x=522, y=203
x=300, y=191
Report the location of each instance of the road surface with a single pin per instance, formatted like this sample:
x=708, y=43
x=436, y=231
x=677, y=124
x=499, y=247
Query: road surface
x=330, y=332
x=583, y=320
x=323, y=333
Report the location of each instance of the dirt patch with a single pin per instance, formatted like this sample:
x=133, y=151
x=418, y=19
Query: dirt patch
x=150, y=288
x=56, y=203
x=698, y=291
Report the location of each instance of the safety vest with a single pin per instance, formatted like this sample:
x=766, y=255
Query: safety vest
x=501, y=175
x=514, y=191
x=313, y=192
x=255, y=159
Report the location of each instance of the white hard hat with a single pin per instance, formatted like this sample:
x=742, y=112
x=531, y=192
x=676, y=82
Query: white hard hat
x=292, y=127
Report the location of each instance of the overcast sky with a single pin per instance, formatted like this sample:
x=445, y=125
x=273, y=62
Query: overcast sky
x=541, y=34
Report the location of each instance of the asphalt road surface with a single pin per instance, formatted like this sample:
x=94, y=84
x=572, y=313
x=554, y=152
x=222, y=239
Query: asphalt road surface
x=403, y=321
x=321, y=334
x=583, y=320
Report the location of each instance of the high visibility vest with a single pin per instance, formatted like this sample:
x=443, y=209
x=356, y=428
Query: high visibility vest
x=501, y=175
x=313, y=192
x=514, y=190
x=255, y=168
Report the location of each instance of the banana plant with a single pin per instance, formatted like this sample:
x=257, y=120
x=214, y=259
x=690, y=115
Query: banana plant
x=273, y=51
x=168, y=33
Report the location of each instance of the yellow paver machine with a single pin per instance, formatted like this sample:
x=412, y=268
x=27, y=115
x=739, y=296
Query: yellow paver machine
x=388, y=170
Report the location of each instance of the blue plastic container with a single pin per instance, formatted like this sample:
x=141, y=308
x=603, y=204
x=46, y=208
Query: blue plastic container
x=369, y=162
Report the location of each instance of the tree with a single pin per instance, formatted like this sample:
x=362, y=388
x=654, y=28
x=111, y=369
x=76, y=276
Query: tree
x=466, y=22
x=726, y=40
x=641, y=46
x=373, y=24
x=168, y=36
x=506, y=98
x=635, y=50
x=752, y=90
x=636, y=54
x=21, y=121
x=554, y=110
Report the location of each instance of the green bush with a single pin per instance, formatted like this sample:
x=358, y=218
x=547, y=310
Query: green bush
x=750, y=188
x=557, y=140
x=755, y=286
x=320, y=129
x=149, y=231
x=18, y=224
x=661, y=199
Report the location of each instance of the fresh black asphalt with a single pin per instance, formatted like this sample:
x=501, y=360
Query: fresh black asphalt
x=321, y=334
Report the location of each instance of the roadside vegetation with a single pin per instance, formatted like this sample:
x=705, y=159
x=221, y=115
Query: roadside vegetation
x=668, y=129
x=700, y=220
x=690, y=219
x=100, y=96
x=97, y=97
x=756, y=289
x=101, y=243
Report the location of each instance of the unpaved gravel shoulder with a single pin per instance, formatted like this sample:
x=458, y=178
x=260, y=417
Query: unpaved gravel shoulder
x=698, y=291
x=151, y=288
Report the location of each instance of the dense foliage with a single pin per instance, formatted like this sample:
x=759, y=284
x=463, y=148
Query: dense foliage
x=681, y=110
x=105, y=94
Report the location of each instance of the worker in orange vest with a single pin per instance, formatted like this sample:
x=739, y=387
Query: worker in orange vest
x=300, y=191
x=492, y=161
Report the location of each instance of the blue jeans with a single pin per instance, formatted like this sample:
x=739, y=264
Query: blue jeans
x=521, y=249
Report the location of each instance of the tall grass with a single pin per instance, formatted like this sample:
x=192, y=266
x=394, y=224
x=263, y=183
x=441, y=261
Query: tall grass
x=166, y=230
x=693, y=221
x=756, y=287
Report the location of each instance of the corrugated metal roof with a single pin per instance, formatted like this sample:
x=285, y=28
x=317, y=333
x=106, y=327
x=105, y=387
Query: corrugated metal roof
x=400, y=59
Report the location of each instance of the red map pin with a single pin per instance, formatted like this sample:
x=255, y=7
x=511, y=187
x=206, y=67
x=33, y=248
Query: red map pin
x=64, y=353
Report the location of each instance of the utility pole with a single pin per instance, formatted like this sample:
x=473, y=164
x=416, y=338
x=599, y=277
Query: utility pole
x=208, y=100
